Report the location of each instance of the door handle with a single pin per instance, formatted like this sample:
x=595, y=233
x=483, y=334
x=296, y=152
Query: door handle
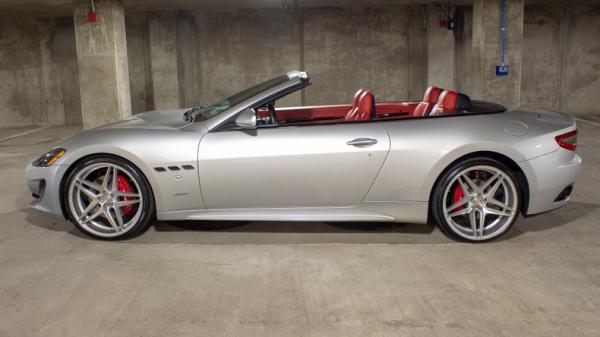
x=362, y=142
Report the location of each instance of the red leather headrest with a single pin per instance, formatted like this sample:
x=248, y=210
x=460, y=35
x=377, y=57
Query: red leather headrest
x=357, y=96
x=432, y=94
x=365, y=102
x=447, y=102
x=430, y=98
x=363, y=107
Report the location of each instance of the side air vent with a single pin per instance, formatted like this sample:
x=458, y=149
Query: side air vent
x=565, y=194
x=173, y=168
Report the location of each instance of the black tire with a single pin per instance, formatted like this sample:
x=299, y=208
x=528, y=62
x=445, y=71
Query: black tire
x=438, y=195
x=147, y=208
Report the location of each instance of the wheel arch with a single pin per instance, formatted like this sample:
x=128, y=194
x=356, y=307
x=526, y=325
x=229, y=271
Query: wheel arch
x=505, y=160
x=73, y=165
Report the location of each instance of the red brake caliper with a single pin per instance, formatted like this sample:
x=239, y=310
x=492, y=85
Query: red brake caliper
x=457, y=195
x=123, y=186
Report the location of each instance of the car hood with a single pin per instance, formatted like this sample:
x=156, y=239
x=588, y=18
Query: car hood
x=163, y=130
x=160, y=119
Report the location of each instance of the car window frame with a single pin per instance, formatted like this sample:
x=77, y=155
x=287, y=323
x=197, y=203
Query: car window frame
x=228, y=123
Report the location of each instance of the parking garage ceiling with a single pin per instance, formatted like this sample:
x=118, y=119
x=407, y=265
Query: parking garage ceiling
x=44, y=8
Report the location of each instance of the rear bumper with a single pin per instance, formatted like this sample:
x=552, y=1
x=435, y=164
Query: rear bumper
x=549, y=177
x=44, y=184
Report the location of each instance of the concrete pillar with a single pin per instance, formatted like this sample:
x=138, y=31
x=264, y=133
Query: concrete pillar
x=188, y=61
x=52, y=94
x=163, y=60
x=463, y=50
x=140, y=77
x=102, y=61
x=417, y=44
x=486, y=51
x=440, y=51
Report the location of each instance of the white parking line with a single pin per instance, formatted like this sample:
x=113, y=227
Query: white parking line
x=22, y=134
x=586, y=121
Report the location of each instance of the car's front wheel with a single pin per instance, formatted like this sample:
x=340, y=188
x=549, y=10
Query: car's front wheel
x=477, y=199
x=108, y=198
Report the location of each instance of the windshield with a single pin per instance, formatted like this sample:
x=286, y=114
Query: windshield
x=217, y=108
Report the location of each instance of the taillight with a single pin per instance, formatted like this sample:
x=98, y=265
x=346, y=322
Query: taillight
x=567, y=140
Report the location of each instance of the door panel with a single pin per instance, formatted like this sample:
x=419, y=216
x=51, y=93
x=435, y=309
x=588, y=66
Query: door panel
x=303, y=166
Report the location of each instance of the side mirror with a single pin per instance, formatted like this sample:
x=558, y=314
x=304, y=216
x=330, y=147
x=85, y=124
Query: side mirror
x=246, y=119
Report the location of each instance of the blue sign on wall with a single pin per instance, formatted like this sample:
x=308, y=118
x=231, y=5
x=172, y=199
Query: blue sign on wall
x=501, y=70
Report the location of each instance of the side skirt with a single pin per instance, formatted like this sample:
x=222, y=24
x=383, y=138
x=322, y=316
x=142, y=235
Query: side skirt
x=410, y=212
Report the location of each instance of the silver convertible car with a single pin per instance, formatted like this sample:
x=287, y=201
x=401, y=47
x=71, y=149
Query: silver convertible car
x=472, y=166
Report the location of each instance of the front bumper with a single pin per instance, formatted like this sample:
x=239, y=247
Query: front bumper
x=44, y=184
x=548, y=176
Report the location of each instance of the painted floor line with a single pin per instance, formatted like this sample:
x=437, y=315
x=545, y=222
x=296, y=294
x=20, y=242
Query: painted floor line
x=22, y=134
x=586, y=121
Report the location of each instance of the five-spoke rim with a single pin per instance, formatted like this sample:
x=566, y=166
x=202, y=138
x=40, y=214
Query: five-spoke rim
x=486, y=206
x=97, y=203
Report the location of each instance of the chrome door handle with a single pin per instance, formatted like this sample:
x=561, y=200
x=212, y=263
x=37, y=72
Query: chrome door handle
x=362, y=142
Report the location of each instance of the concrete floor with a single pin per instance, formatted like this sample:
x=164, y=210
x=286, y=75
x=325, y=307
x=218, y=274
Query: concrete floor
x=284, y=279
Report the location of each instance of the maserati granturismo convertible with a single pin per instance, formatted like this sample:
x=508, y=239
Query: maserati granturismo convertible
x=472, y=166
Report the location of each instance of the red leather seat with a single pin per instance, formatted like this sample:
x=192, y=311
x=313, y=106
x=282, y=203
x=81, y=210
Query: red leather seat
x=447, y=102
x=356, y=97
x=429, y=100
x=363, y=107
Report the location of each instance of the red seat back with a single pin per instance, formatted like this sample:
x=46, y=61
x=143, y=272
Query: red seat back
x=447, y=102
x=357, y=97
x=363, y=107
x=429, y=100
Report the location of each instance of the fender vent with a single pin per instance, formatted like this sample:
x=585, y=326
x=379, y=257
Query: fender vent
x=565, y=194
x=173, y=168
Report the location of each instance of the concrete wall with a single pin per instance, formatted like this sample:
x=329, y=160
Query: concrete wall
x=582, y=64
x=487, y=45
x=385, y=49
x=560, y=55
x=253, y=45
x=138, y=55
x=164, y=60
x=185, y=58
x=344, y=49
x=103, y=63
x=440, y=51
x=348, y=49
x=463, y=53
x=63, y=55
x=38, y=72
x=541, y=57
x=561, y=59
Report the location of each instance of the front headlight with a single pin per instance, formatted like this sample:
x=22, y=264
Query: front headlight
x=49, y=158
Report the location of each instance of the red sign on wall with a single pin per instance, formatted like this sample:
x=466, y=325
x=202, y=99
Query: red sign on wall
x=91, y=17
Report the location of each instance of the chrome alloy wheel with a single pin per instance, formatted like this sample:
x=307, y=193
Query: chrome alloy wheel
x=480, y=203
x=97, y=203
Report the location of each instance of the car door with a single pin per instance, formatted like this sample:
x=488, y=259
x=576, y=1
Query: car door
x=294, y=166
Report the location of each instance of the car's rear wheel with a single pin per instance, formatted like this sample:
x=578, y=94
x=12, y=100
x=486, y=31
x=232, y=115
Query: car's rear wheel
x=108, y=198
x=476, y=200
